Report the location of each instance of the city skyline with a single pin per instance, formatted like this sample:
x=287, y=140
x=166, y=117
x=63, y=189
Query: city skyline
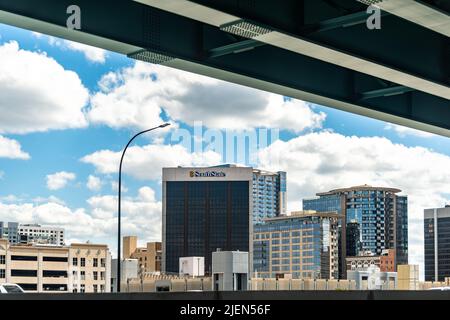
x=60, y=169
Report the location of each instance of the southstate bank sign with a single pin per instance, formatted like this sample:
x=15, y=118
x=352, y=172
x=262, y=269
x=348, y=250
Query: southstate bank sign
x=206, y=174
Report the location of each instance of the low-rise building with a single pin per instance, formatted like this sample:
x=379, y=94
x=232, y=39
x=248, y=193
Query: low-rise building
x=31, y=233
x=373, y=279
x=75, y=268
x=385, y=261
x=149, y=257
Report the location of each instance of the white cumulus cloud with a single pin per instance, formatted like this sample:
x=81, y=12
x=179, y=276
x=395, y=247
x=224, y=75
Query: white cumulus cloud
x=11, y=149
x=146, y=162
x=94, y=183
x=136, y=96
x=59, y=180
x=37, y=93
x=405, y=131
x=92, y=54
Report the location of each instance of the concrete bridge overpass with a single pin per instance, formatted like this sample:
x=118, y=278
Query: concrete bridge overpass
x=319, y=51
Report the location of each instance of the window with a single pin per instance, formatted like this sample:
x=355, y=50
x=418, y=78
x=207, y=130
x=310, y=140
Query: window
x=103, y=262
x=54, y=274
x=95, y=288
x=75, y=261
x=95, y=262
x=102, y=288
x=54, y=287
x=74, y=290
x=83, y=275
x=24, y=258
x=82, y=288
x=95, y=275
x=23, y=273
x=102, y=275
x=2, y=260
x=83, y=262
x=2, y=274
x=55, y=259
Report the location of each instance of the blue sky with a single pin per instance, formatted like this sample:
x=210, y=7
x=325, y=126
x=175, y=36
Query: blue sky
x=362, y=150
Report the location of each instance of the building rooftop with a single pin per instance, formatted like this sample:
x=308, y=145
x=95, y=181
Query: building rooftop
x=364, y=187
x=305, y=214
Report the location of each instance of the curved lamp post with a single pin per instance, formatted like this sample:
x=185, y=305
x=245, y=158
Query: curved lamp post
x=119, y=236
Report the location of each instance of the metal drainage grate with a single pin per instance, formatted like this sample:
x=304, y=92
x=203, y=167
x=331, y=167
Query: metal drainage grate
x=370, y=2
x=245, y=29
x=150, y=56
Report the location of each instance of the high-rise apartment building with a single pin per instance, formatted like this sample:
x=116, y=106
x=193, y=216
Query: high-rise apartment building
x=148, y=257
x=379, y=214
x=205, y=209
x=269, y=195
x=303, y=244
x=437, y=243
x=10, y=231
x=75, y=268
x=31, y=233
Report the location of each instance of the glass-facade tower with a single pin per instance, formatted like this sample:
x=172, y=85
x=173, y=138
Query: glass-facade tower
x=205, y=209
x=303, y=244
x=437, y=243
x=380, y=214
x=269, y=195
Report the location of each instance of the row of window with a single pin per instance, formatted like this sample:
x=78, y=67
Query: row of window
x=94, y=262
x=95, y=275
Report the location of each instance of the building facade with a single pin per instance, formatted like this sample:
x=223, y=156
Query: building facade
x=148, y=257
x=437, y=243
x=9, y=231
x=303, y=244
x=269, y=195
x=378, y=214
x=205, y=209
x=31, y=233
x=76, y=268
x=385, y=262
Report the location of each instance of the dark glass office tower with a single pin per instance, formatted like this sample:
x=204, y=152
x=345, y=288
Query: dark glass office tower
x=381, y=214
x=437, y=243
x=353, y=239
x=205, y=209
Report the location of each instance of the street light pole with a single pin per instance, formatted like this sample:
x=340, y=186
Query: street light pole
x=119, y=236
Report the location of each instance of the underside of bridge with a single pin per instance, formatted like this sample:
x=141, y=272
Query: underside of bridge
x=319, y=51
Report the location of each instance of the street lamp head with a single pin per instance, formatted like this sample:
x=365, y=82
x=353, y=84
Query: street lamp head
x=164, y=125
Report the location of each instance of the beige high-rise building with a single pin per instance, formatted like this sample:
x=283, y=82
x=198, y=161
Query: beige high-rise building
x=75, y=268
x=149, y=257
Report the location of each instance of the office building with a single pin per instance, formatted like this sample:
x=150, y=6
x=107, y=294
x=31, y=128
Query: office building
x=205, y=209
x=35, y=233
x=148, y=257
x=75, y=268
x=437, y=243
x=9, y=231
x=31, y=233
x=269, y=195
x=303, y=244
x=379, y=214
